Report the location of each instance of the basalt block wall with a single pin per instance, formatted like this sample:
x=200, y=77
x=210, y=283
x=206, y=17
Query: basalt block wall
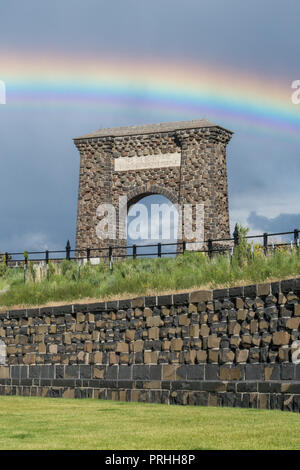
x=229, y=347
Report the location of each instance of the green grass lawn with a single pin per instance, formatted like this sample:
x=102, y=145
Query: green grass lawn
x=49, y=423
x=66, y=282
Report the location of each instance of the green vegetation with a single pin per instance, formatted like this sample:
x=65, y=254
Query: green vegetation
x=69, y=282
x=31, y=423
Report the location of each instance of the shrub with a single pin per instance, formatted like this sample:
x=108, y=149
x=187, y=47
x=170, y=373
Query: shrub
x=242, y=252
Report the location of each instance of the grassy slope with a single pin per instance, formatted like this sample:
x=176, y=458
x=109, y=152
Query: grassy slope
x=46, y=423
x=139, y=277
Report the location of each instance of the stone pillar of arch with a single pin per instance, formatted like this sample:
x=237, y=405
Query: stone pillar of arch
x=183, y=161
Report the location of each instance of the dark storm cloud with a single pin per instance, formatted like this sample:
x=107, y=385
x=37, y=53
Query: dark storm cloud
x=263, y=169
x=40, y=164
x=259, y=36
x=281, y=223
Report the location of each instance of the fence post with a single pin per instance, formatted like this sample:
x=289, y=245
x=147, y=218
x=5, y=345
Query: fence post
x=110, y=251
x=210, y=247
x=68, y=250
x=296, y=237
x=236, y=236
x=134, y=251
x=88, y=254
x=6, y=259
x=265, y=243
x=159, y=250
x=47, y=256
x=25, y=264
x=183, y=246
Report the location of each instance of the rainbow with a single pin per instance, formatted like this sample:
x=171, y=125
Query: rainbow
x=172, y=88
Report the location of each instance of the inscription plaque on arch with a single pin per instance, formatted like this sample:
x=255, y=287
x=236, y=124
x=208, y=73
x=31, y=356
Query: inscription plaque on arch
x=147, y=162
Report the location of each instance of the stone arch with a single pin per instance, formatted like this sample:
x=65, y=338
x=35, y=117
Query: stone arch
x=139, y=192
x=182, y=161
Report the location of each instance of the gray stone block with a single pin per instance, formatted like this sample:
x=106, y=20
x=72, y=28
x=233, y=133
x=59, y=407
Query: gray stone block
x=141, y=372
x=195, y=372
x=254, y=371
x=211, y=371
x=72, y=372
x=220, y=293
x=155, y=372
x=287, y=371
x=111, y=373
x=125, y=372
x=85, y=371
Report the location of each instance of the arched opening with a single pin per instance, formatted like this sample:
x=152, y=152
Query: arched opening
x=152, y=220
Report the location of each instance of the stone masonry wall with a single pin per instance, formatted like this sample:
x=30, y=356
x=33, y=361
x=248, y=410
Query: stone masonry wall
x=229, y=347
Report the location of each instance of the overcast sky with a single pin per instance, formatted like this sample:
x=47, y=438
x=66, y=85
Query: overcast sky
x=39, y=162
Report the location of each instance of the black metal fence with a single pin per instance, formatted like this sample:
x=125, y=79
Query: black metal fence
x=210, y=246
